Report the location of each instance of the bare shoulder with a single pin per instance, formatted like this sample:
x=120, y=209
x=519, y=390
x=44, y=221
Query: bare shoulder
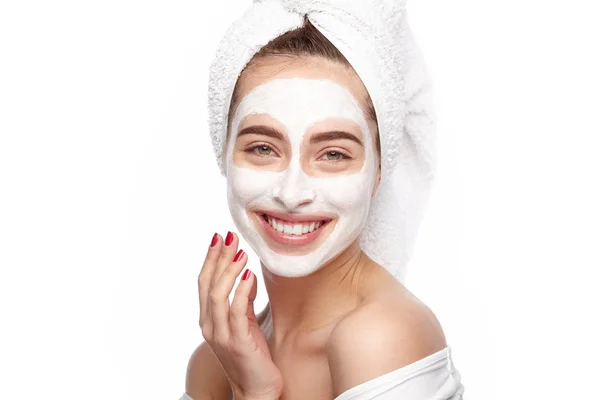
x=388, y=331
x=205, y=378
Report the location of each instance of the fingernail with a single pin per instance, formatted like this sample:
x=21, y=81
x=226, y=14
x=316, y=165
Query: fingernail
x=228, y=239
x=238, y=255
x=246, y=274
x=215, y=239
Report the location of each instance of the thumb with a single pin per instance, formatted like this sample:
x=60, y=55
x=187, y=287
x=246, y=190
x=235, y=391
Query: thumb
x=253, y=289
x=251, y=297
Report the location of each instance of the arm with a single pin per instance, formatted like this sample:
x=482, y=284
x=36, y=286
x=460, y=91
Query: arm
x=205, y=379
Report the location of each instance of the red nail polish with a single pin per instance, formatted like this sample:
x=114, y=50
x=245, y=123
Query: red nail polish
x=238, y=255
x=228, y=239
x=215, y=239
x=246, y=274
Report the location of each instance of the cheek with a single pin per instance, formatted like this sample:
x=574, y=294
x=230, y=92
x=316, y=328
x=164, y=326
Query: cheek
x=245, y=185
x=350, y=193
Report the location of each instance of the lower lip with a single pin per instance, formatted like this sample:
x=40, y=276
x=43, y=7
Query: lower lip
x=290, y=240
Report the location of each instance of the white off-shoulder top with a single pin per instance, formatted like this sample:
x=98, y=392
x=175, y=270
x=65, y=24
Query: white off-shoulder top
x=431, y=378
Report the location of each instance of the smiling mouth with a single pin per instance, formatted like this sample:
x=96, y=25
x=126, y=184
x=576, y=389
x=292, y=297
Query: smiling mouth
x=292, y=233
x=291, y=228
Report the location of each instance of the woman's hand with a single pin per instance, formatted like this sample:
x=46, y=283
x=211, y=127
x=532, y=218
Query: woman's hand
x=233, y=332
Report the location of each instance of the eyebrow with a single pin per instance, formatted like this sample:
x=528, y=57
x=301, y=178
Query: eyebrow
x=261, y=130
x=333, y=135
x=316, y=138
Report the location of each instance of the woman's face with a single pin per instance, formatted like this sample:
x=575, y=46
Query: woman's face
x=301, y=163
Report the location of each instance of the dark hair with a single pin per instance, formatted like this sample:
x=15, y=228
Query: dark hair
x=303, y=41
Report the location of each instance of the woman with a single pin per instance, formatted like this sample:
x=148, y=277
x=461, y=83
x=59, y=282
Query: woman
x=304, y=155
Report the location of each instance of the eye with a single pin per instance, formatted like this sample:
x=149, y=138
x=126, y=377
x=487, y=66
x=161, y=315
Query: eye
x=261, y=150
x=264, y=150
x=333, y=155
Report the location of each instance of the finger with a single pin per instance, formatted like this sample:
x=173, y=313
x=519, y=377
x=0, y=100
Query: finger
x=205, y=276
x=242, y=307
x=231, y=273
x=228, y=251
x=219, y=297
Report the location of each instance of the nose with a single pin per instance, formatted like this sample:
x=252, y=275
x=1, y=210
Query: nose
x=294, y=190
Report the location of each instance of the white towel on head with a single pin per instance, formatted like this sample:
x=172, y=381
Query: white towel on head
x=375, y=38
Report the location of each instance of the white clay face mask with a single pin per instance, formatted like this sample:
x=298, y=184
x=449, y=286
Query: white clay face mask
x=272, y=209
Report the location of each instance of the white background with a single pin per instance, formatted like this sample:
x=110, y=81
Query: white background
x=109, y=194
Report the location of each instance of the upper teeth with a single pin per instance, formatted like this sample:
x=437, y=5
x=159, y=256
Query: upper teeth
x=296, y=229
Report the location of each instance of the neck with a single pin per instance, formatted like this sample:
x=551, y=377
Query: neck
x=304, y=304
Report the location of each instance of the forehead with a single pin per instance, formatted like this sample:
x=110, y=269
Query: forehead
x=300, y=102
x=309, y=67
